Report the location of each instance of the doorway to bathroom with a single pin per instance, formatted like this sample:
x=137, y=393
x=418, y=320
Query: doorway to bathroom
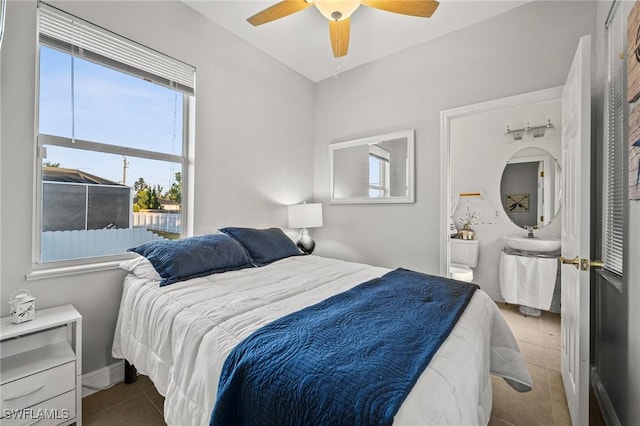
x=486, y=190
x=487, y=131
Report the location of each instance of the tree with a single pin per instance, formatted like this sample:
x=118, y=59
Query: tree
x=140, y=184
x=175, y=192
x=50, y=164
x=147, y=197
x=154, y=197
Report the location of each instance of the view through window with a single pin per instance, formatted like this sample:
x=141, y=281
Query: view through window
x=111, y=153
x=379, y=176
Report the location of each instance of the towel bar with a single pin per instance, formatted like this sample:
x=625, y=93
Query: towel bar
x=524, y=253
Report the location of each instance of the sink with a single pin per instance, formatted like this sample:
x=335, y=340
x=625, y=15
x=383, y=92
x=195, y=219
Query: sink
x=537, y=244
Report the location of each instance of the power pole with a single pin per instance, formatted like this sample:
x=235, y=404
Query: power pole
x=125, y=165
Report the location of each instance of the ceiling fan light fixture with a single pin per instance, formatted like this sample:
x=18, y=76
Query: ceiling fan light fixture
x=337, y=10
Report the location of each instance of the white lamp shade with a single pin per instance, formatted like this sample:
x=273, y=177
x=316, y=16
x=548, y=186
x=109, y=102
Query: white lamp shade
x=305, y=215
x=344, y=7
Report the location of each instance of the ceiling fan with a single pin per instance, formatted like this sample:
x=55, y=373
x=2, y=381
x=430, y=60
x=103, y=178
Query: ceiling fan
x=338, y=12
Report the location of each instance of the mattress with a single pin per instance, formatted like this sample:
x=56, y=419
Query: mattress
x=180, y=335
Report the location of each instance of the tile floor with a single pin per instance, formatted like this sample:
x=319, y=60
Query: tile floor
x=539, y=340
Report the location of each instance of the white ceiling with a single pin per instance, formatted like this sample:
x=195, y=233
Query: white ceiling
x=301, y=40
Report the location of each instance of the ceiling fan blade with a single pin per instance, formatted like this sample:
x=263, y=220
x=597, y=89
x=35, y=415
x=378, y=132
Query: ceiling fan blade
x=421, y=8
x=339, y=33
x=277, y=11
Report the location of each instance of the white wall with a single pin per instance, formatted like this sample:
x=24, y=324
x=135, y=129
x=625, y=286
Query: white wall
x=253, y=148
x=526, y=49
x=479, y=151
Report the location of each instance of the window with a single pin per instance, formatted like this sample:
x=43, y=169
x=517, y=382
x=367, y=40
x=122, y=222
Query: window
x=379, y=177
x=613, y=161
x=112, y=119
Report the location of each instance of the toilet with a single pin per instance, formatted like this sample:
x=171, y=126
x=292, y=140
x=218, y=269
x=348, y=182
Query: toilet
x=464, y=256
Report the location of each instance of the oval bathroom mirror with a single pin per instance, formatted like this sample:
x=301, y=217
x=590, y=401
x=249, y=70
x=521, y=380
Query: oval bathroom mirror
x=530, y=188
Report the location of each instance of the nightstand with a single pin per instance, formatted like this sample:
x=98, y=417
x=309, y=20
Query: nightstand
x=41, y=369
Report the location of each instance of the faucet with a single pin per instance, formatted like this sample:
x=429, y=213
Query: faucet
x=529, y=231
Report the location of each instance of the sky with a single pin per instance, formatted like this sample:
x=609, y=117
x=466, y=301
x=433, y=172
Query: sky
x=113, y=108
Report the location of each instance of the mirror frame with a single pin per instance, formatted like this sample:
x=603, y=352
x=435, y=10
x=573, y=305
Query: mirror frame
x=409, y=134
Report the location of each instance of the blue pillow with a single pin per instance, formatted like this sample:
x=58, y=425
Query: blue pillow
x=179, y=260
x=264, y=245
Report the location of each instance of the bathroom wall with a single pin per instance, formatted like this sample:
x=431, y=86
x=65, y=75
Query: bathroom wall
x=479, y=153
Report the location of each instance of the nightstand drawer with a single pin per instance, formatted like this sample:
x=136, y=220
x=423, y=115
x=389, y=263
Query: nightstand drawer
x=38, y=387
x=55, y=411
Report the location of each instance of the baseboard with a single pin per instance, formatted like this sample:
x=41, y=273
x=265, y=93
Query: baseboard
x=608, y=412
x=102, y=378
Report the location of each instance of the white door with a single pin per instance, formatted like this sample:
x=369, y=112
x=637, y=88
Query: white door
x=576, y=145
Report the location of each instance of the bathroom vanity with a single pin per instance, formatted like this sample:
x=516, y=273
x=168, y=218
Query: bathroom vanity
x=529, y=279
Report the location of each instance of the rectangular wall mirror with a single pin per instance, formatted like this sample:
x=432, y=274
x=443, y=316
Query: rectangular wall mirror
x=375, y=169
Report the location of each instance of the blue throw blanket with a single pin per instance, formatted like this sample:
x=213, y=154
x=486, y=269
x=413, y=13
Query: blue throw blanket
x=351, y=359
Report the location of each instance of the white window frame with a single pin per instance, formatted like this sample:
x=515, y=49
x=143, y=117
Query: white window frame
x=41, y=269
x=384, y=162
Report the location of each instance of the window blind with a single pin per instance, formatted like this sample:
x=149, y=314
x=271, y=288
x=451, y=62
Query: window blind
x=68, y=33
x=613, y=162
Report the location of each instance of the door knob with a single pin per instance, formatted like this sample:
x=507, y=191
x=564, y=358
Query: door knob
x=575, y=261
x=583, y=264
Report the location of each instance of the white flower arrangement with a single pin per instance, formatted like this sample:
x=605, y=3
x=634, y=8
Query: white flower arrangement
x=469, y=218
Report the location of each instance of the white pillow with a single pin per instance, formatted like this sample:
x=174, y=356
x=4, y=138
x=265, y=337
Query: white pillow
x=141, y=267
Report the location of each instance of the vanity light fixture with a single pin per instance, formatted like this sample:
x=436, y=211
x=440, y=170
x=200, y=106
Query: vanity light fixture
x=535, y=132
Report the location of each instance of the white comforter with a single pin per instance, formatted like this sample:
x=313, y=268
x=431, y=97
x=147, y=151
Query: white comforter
x=180, y=335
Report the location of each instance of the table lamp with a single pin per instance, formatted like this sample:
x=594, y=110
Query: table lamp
x=303, y=216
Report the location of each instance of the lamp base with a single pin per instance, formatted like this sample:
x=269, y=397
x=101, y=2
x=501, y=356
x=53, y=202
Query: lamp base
x=305, y=243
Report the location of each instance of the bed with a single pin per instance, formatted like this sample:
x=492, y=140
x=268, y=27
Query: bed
x=180, y=335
